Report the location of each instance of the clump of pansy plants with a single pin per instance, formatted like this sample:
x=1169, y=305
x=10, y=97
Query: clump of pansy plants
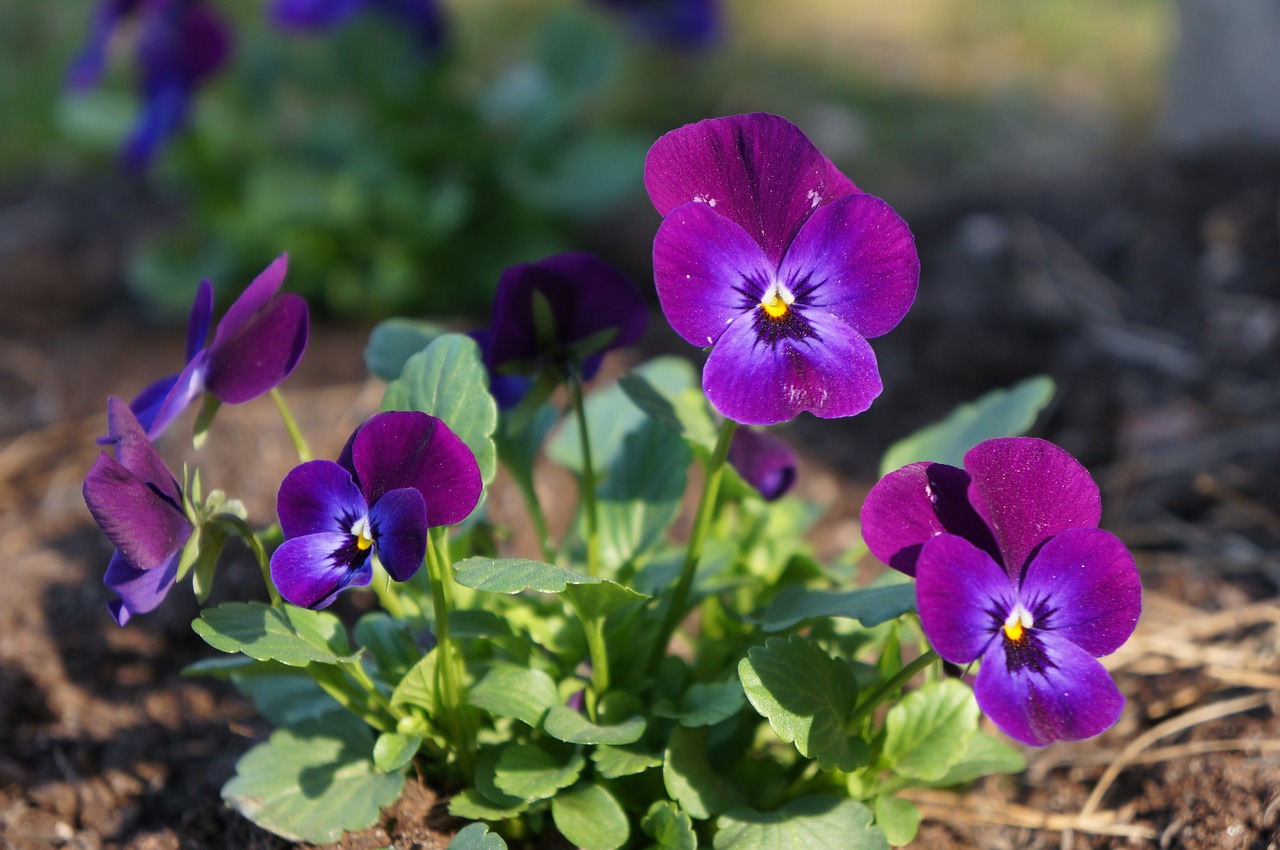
x=657, y=668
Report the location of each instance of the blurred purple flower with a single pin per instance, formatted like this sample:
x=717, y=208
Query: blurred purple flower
x=137, y=503
x=401, y=473
x=765, y=462
x=255, y=347
x=178, y=46
x=507, y=390
x=421, y=17
x=569, y=308
x=675, y=23
x=1012, y=569
x=771, y=256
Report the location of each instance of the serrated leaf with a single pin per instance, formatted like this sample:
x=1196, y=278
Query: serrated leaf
x=690, y=779
x=929, y=729
x=313, y=781
x=510, y=691
x=472, y=805
x=476, y=836
x=1000, y=413
x=392, y=750
x=590, y=818
x=802, y=824
x=706, y=703
x=642, y=492
x=448, y=380
x=485, y=795
x=394, y=341
x=418, y=687
x=593, y=596
x=615, y=762
x=529, y=772
x=806, y=695
x=669, y=827
x=565, y=724
x=870, y=606
x=897, y=818
x=985, y=755
x=290, y=635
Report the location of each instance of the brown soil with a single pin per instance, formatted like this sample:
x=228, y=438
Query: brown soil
x=1151, y=293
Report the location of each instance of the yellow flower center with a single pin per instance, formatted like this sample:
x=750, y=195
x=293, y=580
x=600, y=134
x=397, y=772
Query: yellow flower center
x=1017, y=623
x=776, y=301
x=363, y=534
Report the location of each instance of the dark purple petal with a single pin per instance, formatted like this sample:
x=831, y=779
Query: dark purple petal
x=855, y=258
x=199, y=320
x=409, y=449
x=829, y=373
x=312, y=14
x=310, y=571
x=88, y=67
x=146, y=405
x=164, y=113
x=708, y=272
x=1084, y=586
x=1028, y=490
x=765, y=462
x=186, y=388
x=963, y=598
x=140, y=590
x=137, y=454
x=144, y=525
x=675, y=23
x=399, y=521
x=1067, y=697
x=759, y=170
x=507, y=390
x=182, y=43
x=319, y=496
x=911, y=505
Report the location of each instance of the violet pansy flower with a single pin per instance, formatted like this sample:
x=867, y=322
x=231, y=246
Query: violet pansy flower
x=674, y=23
x=138, y=504
x=771, y=256
x=254, y=348
x=765, y=462
x=564, y=310
x=401, y=473
x=1012, y=570
x=423, y=18
x=507, y=390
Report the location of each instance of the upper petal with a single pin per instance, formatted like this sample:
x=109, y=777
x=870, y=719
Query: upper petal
x=759, y=170
x=399, y=521
x=310, y=571
x=829, y=373
x=1087, y=584
x=1028, y=490
x=963, y=597
x=139, y=591
x=318, y=496
x=855, y=258
x=136, y=452
x=707, y=271
x=186, y=387
x=199, y=320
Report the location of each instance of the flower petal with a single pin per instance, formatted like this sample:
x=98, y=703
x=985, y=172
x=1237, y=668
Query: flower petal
x=765, y=462
x=402, y=448
x=913, y=504
x=319, y=496
x=1087, y=581
x=399, y=521
x=199, y=320
x=186, y=387
x=312, y=14
x=963, y=597
x=759, y=170
x=708, y=271
x=830, y=373
x=1028, y=490
x=1072, y=698
x=137, y=454
x=140, y=591
x=855, y=258
x=310, y=571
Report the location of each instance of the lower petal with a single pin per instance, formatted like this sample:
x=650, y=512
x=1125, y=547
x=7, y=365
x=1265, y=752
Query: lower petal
x=311, y=571
x=140, y=591
x=830, y=373
x=963, y=596
x=1072, y=698
x=399, y=521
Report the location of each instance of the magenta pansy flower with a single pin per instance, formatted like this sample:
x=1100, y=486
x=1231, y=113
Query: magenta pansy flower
x=254, y=348
x=401, y=473
x=137, y=503
x=1012, y=570
x=765, y=462
x=774, y=259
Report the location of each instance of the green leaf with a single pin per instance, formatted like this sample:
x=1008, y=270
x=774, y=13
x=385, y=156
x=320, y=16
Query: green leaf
x=393, y=750
x=394, y=341
x=689, y=778
x=870, y=606
x=802, y=824
x=1000, y=413
x=476, y=836
x=288, y=634
x=590, y=818
x=593, y=596
x=284, y=695
x=705, y=703
x=897, y=818
x=806, y=695
x=390, y=642
x=472, y=805
x=313, y=781
x=418, y=687
x=929, y=729
x=671, y=828
x=669, y=390
x=510, y=691
x=448, y=380
x=519, y=447
x=615, y=762
x=641, y=495
x=565, y=724
x=985, y=755
x=530, y=772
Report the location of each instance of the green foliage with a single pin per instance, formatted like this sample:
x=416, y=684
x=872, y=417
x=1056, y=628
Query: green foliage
x=477, y=836
x=591, y=818
x=670, y=828
x=929, y=729
x=802, y=824
x=288, y=634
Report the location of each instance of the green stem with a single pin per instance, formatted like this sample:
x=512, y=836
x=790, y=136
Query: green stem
x=388, y=596
x=890, y=687
x=599, y=651
x=574, y=384
x=449, y=689
x=333, y=681
x=291, y=425
x=237, y=526
x=356, y=671
x=537, y=517
x=675, y=612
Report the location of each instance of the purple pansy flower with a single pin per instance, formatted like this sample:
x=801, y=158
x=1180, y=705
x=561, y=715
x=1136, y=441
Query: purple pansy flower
x=771, y=256
x=1011, y=569
x=137, y=503
x=255, y=347
x=179, y=45
x=569, y=308
x=507, y=390
x=678, y=23
x=765, y=462
x=420, y=17
x=401, y=473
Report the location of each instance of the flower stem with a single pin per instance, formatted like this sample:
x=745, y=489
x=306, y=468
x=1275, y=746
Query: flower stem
x=574, y=384
x=237, y=526
x=537, y=517
x=599, y=651
x=890, y=686
x=332, y=680
x=449, y=685
x=291, y=425
x=693, y=553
